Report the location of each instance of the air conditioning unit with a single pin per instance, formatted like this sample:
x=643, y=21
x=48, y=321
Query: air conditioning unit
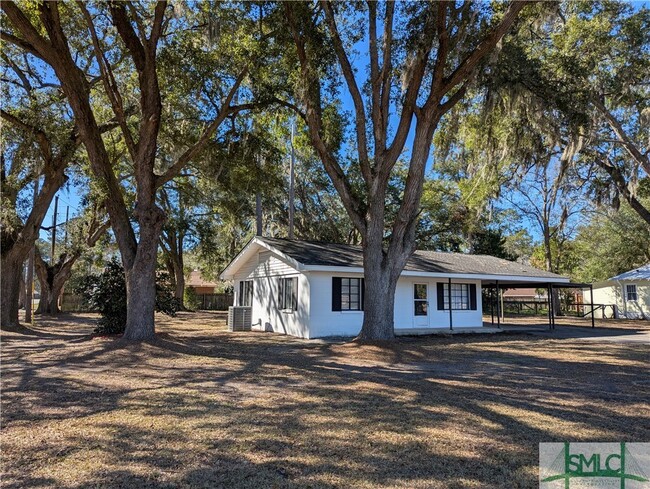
x=239, y=318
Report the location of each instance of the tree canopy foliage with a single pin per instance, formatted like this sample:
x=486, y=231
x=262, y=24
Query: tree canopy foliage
x=519, y=129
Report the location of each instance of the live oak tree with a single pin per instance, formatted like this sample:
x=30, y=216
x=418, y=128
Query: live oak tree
x=127, y=38
x=613, y=242
x=39, y=144
x=82, y=233
x=582, y=80
x=602, y=52
x=422, y=60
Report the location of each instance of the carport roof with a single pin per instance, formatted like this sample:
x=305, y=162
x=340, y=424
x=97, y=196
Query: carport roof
x=314, y=253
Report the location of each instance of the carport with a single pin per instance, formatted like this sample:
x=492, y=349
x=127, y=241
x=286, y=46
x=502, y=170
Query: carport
x=550, y=287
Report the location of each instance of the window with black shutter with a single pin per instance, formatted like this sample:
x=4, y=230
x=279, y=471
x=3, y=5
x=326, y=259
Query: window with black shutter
x=347, y=294
x=463, y=297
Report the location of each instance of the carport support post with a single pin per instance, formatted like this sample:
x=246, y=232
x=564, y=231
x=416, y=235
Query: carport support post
x=492, y=306
x=551, y=306
x=591, y=299
x=550, y=313
x=451, y=321
x=498, y=306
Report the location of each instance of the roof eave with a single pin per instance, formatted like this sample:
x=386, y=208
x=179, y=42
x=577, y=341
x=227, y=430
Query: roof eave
x=469, y=276
x=236, y=263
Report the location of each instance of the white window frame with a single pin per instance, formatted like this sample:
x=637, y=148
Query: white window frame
x=287, y=294
x=459, y=292
x=631, y=290
x=245, y=293
x=350, y=305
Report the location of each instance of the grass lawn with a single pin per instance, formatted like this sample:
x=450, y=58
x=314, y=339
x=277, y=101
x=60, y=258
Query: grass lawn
x=201, y=407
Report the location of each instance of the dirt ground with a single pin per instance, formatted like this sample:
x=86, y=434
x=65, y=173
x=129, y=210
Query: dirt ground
x=201, y=407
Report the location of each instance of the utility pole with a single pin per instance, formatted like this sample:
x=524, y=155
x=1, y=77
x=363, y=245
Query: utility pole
x=29, y=283
x=258, y=208
x=292, y=165
x=56, y=207
x=67, y=214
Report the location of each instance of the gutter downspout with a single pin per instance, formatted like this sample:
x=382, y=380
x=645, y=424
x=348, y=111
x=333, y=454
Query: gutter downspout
x=624, y=297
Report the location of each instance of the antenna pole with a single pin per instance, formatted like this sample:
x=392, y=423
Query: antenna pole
x=56, y=207
x=67, y=214
x=29, y=283
x=292, y=165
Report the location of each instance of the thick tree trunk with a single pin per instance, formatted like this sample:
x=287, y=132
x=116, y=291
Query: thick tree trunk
x=557, y=303
x=22, y=290
x=12, y=268
x=141, y=277
x=49, y=301
x=179, y=289
x=51, y=289
x=381, y=272
x=379, y=302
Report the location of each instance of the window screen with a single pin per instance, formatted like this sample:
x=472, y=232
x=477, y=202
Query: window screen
x=631, y=293
x=246, y=293
x=288, y=293
x=347, y=294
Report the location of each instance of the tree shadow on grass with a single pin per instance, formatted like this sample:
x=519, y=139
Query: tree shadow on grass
x=217, y=410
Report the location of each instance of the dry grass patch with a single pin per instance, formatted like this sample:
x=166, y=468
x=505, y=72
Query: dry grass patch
x=200, y=407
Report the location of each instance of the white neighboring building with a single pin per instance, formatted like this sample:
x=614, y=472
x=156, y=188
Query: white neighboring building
x=312, y=289
x=628, y=292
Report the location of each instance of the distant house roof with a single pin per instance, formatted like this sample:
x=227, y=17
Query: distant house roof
x=521, y=292
x=196, y=280
x=641, y=273
x=319, y=254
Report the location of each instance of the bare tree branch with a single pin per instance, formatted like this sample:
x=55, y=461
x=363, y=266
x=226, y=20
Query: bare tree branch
x=353, y=88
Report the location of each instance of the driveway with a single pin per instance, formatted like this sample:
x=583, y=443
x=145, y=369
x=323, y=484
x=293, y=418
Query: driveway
x=605, y=335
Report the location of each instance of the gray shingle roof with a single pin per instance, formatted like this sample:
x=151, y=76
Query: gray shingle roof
x=641, y=273
x=342, y=255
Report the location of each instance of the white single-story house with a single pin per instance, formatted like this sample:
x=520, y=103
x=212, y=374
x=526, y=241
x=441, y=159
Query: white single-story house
x=628, y=292
x=314, y=289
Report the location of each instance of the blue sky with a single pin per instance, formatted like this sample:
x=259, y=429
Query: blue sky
x=70, y=198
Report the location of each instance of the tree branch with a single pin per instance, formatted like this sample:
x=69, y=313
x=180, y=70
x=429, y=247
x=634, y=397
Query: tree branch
x=110, y=85
x=203, y=140
x=469, y=64
x=622, y=136
x=41, y=137
x=348, y=74
x=313, y=118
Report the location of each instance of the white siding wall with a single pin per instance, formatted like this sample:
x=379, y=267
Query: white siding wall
x=404, y=307
x=325, y=322
x=612, y=293
x=266, y=269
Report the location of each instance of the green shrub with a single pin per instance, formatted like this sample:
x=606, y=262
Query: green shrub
x=191, y=299
x=106, y=294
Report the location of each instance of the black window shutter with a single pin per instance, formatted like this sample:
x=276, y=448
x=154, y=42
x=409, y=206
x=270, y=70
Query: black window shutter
x=472, y=297
x=363, y=292
x=294, y=293
x=336, y=293
x=281, y=304
x=441, y=296
x=241, y=293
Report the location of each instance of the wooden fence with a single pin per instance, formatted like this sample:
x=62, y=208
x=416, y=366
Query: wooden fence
x=73, y=303
x=206, y=302
x=540, y=307
x=214, y=302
